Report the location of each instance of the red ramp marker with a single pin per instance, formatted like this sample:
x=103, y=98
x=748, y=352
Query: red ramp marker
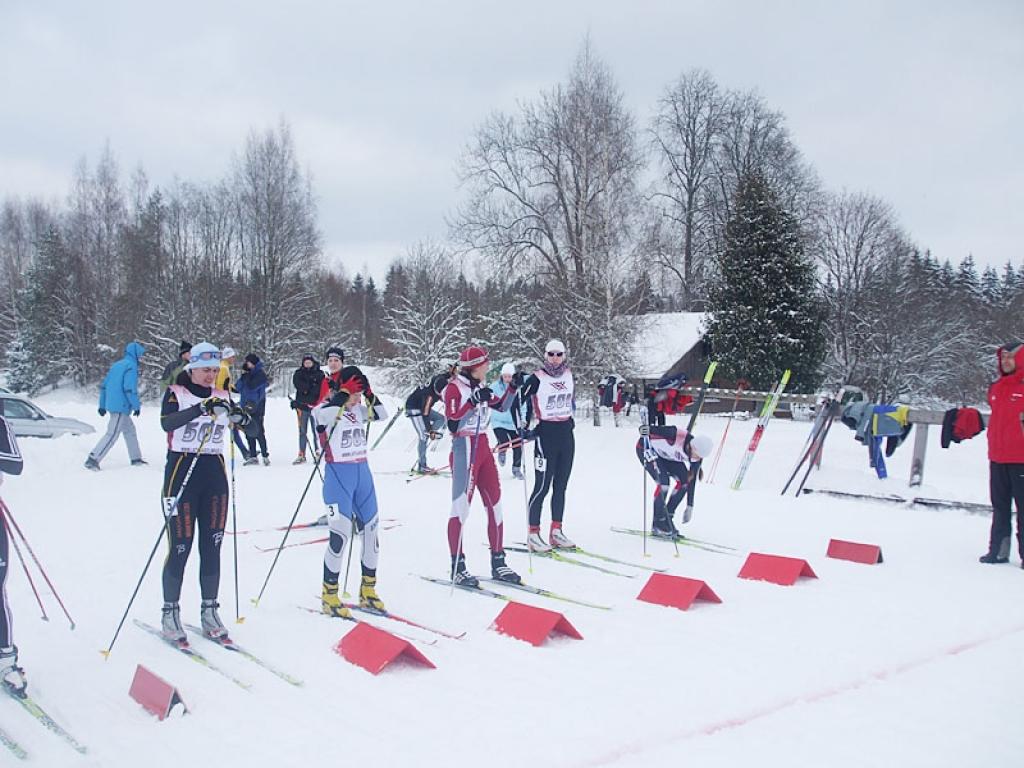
x=532, y=624
x=676, y=591
x=776, y=569
x=373, y=649
x=155, y=694
x=869, y=554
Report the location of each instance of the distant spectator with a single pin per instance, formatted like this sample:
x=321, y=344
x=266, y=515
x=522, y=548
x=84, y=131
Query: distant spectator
x=1006, y=453
x=307, y=379
x=176, y=368
x=119, y=396
x=252, y=390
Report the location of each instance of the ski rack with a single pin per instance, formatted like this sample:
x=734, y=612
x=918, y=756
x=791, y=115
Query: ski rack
x=746, y=394
x=920, y=417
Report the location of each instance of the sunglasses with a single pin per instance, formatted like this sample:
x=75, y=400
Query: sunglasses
x=555, y=354
x=204, y=356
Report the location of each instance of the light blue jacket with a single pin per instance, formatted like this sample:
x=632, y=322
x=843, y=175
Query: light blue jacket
x=119, y=392
x=503, y=419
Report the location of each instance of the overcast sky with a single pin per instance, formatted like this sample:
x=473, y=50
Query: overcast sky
x=917, y=102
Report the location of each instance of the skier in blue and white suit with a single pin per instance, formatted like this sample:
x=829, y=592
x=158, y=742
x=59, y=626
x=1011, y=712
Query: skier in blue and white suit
x=348, y=486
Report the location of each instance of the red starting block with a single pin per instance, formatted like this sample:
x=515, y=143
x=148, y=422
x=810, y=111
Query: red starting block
x=869, y=554
x=154, y=693
x=776, y=569
x=532, y=624
x=373, y=649
x=676, y=591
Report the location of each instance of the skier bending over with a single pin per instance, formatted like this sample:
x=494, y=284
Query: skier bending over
x=670, y=453
x=419, y=407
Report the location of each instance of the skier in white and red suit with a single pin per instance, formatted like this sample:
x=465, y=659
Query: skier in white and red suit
x=467, y=405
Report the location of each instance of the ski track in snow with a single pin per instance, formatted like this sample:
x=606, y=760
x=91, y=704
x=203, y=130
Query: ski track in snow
x=912, y=662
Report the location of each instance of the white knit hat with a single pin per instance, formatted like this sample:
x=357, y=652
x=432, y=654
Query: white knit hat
x=508, y=369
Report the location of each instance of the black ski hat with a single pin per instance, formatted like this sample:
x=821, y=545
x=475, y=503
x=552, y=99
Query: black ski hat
x=251, y=358
x=184, y=347
x=337, y=351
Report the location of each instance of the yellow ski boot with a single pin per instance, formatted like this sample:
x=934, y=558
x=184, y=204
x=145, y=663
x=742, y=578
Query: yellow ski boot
x=331, y=604
x=368, y=597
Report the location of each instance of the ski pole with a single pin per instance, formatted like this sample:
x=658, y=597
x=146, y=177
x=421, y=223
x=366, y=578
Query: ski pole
x=470, y=487
x=9, y=517
x=732, y=414
x=288, y=530
x=820, y=447
x=169, y=510
x=28, y=575
x=234, y=533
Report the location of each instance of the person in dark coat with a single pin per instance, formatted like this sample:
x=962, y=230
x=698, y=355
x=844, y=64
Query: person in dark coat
x=252, y=392
x=307, y=380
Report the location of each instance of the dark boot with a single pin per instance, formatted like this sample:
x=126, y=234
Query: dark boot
x=1000, y=555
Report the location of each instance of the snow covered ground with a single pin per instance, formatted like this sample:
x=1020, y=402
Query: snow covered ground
x=915, y=662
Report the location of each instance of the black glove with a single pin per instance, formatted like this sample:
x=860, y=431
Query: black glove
x=333, y=384
x=102, y=411
x=645, y=430
x=481, y=395
x=293, y=404
x=338, y=399
x=238, y=416
x=215, y=406
x=527, y=434
x=321, y=428
x=517, y=379
x=435, y=435
x=136, y=412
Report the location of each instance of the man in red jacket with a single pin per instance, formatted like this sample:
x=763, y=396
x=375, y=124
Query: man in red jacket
x=1006, y=453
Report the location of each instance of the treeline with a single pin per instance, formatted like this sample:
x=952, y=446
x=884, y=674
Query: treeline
x=575, y=217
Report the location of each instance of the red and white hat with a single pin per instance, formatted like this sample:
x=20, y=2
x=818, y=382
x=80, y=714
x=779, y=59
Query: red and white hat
x=473, y=356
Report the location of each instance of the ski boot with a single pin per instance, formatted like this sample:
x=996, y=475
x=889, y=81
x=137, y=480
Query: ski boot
x=213, y=627
x=558, y=539
x=92, y=464
x=250, y=460
x=460, y=575
x=502, y=572
x=331, y=604
x=139, y=462
x=300, y=459
x=170, y=624
x=11, y=675
x=662, y=528
x=266, y=461
x=534, y=542
x=501, y=458
x=368, y=597
x=517, y=473
x=1002, y=555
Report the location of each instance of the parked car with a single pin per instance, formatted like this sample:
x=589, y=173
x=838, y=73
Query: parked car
x=29, y=420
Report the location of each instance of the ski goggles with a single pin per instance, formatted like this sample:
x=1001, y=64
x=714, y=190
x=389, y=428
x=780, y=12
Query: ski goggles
x=205, y=359
x=555, y=354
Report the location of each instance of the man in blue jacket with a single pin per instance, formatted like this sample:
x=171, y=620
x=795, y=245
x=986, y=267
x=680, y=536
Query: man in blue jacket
x=252, y=390
x=119, y=397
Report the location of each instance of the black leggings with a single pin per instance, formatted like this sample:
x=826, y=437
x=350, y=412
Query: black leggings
x=503, y=436
x=204, y=504
x=553, y=453
x=5, y=614
x=664, y=472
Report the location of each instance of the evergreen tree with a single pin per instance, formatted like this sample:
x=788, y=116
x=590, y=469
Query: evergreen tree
x=39, y=353
x=766, y=314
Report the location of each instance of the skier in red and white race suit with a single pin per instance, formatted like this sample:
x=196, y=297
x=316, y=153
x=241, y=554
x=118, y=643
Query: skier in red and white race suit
x=467, y=405
x=671, y=453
